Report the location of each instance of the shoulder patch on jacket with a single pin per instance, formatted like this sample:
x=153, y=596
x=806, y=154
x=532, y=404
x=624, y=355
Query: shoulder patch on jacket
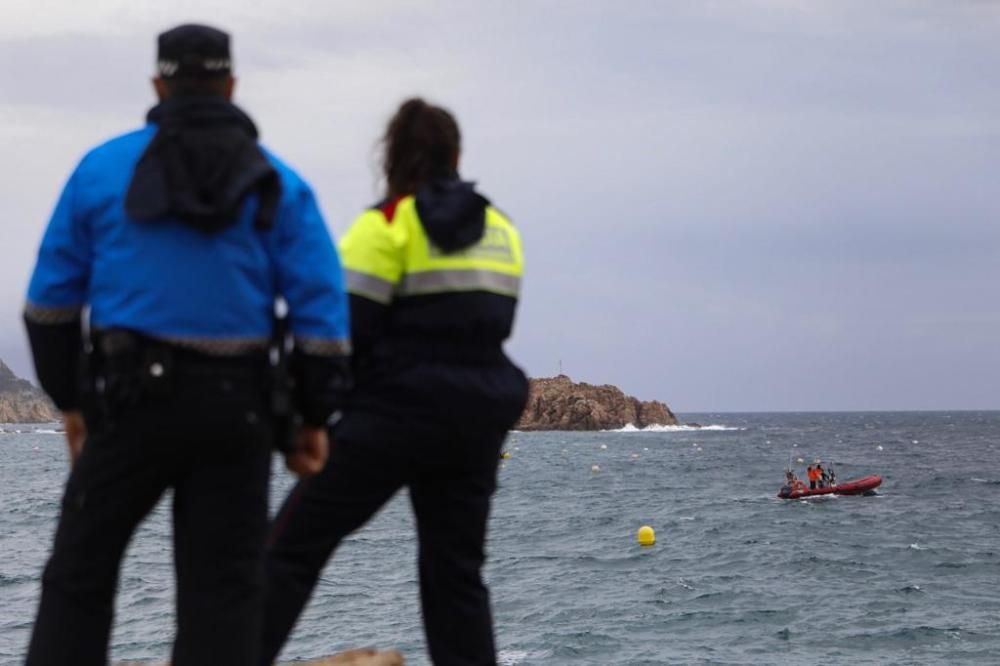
x=388, y=208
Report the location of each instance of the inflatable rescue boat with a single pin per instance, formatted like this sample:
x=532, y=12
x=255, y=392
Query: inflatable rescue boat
x=865, y=484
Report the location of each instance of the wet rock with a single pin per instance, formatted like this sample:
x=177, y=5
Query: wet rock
x=559, y=403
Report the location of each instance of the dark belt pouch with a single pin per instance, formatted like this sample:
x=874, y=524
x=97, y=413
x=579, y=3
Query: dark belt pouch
x=130, y=368
x=116, y=370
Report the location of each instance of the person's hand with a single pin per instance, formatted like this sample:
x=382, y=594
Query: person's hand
x=76, y=434
x=311, y=450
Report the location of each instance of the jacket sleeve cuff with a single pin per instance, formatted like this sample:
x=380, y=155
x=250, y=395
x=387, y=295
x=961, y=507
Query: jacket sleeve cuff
x=322, y=384
x=56, y=349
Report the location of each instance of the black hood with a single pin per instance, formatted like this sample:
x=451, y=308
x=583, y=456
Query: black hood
x=452, y=212
x=201, y=164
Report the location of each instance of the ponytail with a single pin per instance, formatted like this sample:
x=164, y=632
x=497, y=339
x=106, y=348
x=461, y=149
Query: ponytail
x=421, y=144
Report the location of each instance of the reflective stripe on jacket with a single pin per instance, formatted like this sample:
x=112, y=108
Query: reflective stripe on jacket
x=387, y=257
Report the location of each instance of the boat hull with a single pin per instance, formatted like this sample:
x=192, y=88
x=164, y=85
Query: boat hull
x=853, y=487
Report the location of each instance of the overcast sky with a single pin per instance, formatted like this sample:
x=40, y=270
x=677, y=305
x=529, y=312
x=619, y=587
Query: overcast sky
x=761, y=205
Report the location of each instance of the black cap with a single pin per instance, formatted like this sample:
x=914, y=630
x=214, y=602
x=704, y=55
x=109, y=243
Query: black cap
x=193, y=50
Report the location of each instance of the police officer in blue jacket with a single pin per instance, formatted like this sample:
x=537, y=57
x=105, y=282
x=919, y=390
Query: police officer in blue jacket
x=177, y=240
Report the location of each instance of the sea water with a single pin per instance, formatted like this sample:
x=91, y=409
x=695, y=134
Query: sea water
x=908, y=576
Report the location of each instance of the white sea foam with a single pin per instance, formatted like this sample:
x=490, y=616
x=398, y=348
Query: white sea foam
x=32, y=431
x=673, y=428
x=810, y=499
x=512, y=657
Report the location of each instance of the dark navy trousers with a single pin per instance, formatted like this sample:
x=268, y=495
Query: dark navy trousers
x=450, y=471
x=209, y=440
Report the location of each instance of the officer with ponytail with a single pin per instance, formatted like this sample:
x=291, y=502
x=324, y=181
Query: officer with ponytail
x=433, y=272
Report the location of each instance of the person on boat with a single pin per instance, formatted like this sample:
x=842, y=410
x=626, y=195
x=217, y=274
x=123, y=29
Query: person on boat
x=832, y=477
x=792, y=483
x=821, y=476
x=814, y=476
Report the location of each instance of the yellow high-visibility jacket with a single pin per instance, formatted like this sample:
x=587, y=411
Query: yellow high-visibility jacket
x=436, y=274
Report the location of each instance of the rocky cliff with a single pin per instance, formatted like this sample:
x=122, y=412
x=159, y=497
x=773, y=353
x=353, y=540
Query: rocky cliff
x=559, y=403
x=21, y=401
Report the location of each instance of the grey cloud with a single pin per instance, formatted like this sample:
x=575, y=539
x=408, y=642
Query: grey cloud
x=725, y=205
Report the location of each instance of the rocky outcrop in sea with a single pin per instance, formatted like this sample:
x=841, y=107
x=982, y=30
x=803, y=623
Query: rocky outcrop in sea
x=559, y=403
x=23, y=402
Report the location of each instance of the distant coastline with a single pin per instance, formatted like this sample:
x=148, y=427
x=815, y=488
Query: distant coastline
x=23, y=402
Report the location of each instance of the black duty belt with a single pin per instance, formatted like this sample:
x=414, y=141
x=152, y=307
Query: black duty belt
x=124, y=348
x=124, y=368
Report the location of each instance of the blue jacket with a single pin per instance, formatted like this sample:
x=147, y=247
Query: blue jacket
x=214, y=292
x=174, y=282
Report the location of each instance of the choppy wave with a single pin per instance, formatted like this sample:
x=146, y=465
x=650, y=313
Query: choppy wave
x=512, y=657
x=675, y=428
x=991, y=482
x=28, y=430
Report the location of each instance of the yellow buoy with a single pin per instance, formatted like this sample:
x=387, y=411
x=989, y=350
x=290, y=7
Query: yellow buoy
x=506, y=455
x=595, y=468
x=646, y=536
